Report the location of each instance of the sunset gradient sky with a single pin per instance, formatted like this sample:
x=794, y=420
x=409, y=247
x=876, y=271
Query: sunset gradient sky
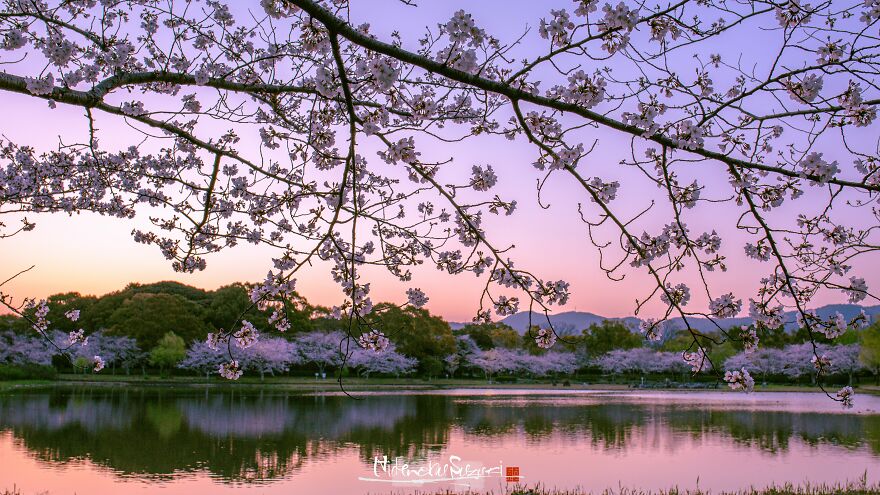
x=95, y=255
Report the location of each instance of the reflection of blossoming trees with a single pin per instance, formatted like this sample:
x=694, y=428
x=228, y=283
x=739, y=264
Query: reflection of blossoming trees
x=314, y=99
x=265, y=436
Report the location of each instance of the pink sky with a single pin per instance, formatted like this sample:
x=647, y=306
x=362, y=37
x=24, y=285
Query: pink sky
x=95, y=255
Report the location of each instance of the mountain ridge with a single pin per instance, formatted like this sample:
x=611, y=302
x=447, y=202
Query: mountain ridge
x=569, y=322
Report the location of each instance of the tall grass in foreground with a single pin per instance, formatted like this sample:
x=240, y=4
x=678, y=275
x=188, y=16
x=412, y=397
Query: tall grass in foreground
x=849, y=488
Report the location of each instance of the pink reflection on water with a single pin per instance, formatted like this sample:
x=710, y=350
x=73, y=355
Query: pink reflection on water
x=651, y=455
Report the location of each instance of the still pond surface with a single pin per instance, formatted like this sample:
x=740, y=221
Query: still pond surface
x=207, y=441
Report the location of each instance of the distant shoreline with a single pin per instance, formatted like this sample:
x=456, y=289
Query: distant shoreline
x=304, y=384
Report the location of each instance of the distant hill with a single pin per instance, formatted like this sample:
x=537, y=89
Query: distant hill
x=566, y=323
x=574, y=321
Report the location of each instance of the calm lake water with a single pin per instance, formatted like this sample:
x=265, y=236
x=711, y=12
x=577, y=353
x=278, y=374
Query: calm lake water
x=201, y=441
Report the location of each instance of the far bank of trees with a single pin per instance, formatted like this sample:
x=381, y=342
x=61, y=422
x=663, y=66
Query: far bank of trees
x=161, y=328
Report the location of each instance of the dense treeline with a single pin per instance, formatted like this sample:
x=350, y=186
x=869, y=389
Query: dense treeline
x=146, y=312
x=167, y=321
x=163, y=326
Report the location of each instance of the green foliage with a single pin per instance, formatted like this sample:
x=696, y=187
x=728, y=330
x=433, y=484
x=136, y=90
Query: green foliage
x=82, y=364
x=869, y=353
x=491, y=335
x=776, y=338
x=170, y=350
x=802, y=335
x=607, y=336
x=27, y=372
x=9, y=322
x=432, y=366
x=851, y=336
x=721, y=353
x=504, y=336
x=230, y=304
x=99, y=314
x=148, y=316
x=58, y=305
x=187, y=292
x=416, y=333
x=479, y=333
x=680, y=341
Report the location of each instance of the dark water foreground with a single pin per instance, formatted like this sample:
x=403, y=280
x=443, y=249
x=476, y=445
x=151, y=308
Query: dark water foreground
x=203, y=441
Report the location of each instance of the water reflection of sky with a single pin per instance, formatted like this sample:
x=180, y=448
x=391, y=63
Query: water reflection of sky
x=189, y=440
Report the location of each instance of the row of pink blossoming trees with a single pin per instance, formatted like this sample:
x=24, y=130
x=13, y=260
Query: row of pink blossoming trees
x=327, y=351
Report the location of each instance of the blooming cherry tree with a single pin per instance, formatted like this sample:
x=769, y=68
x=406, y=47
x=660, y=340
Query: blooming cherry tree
x=322, y=349
x=389, y=361
x=342, y=168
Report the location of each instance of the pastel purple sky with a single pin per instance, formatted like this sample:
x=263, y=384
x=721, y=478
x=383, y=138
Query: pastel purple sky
x=95, y=255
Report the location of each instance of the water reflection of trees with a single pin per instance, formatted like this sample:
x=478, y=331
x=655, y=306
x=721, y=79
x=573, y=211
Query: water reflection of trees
x=242, y=436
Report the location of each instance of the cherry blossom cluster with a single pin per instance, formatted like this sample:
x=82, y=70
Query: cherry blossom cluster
x=374, y=340
x=416, y=297
x=545, y=338
x=697, y=360
x=739, y=380
x=557, y=28
x=725, y=306
x=652, y=329
x=230, y=370
x=845, y=396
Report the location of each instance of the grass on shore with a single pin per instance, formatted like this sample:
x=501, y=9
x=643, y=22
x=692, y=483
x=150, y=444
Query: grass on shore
x=310, y=384
x=861, y=488
x=848, y=488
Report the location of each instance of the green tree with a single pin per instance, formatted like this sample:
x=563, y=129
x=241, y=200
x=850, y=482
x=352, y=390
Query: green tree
x=147, y=316
x=99, y=314
x=491, y=335
x=171, y=287
x=479, y=333
x=869, y=351
x=170, y=350
x=678, y=342
x=719, y=353
x=504, y=336
x=59, y=304
x=9, y=322
x=776, y=338
x=82, y=364
x=431, y=366
x=231, y=303
x=416, y=334
x=608, y=336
